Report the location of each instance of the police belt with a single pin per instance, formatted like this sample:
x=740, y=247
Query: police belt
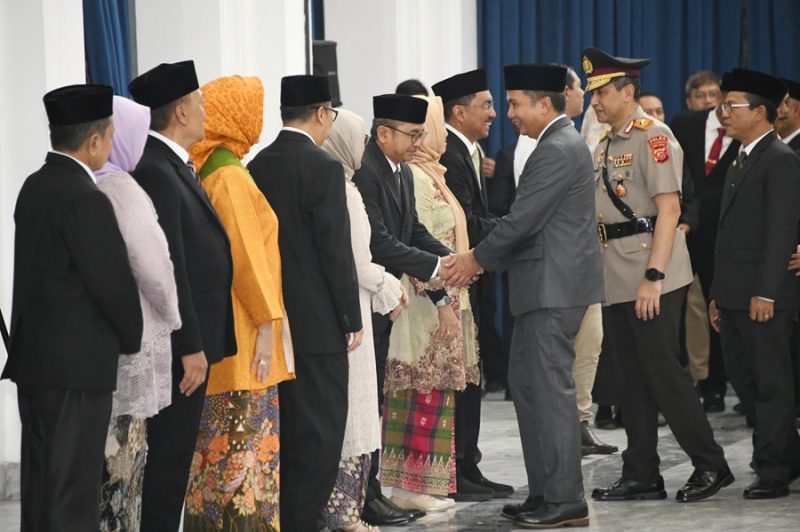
x=608, y=232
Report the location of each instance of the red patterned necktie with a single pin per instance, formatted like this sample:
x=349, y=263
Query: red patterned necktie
x=716, y=151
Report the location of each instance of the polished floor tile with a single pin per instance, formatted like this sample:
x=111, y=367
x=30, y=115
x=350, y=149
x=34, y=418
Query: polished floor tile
x=502, y=462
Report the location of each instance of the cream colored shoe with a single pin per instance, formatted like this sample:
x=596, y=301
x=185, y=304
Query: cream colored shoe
x=421, y=501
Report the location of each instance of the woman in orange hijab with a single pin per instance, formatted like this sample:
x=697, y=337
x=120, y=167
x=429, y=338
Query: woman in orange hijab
x=234, y=479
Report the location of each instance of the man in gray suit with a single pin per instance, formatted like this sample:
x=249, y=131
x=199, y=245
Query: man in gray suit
x=549, y=245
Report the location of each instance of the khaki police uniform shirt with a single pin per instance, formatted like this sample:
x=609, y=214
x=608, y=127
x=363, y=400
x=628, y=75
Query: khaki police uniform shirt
x=646, y=160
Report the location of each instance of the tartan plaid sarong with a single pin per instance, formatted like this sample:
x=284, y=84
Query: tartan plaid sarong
x=418, y=441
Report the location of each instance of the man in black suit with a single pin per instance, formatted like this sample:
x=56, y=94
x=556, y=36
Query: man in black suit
x=305, y=186
x=399, y=241
x=708, y=152
x=787, y=124
x=75, y=309
x=469, y=112
x=200, y=251
x=754, y=296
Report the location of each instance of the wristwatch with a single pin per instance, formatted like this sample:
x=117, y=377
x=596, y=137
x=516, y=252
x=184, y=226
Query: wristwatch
x=651, y=274
x=446, y=300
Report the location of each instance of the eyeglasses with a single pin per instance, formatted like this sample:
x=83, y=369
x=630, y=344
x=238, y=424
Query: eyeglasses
x=727, y=106
x=334, y=111
x=415, y=137
x=486, y=106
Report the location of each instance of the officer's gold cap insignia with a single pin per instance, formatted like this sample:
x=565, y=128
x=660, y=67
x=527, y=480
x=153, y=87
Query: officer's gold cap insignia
x=587, y=65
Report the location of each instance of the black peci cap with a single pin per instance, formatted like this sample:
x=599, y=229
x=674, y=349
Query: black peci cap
x=754, y=82
x=793, y=88
x=400, y=107
x=164, y=84
x=601, y=68
x=461, y=85
x=550, y=78
x=76, y=104
x=303, y=89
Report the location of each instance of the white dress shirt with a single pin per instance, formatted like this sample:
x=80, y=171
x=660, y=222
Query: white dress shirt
x=296, y=130
x=174, y=146
x=712, y=125
x=525, y=147
x=790, y=137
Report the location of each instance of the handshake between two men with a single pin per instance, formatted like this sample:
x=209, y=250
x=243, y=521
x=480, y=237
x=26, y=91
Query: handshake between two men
x=460, y=269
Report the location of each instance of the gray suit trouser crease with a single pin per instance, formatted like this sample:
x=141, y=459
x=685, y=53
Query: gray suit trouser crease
x=543, y=390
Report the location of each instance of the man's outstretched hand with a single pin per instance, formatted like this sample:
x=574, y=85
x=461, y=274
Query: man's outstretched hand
x=460, y=269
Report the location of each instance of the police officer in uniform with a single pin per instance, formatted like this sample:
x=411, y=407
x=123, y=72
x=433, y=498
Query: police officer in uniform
x=637, y=191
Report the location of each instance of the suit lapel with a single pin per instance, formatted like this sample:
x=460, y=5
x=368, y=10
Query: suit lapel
x=386, y=174
x=736, y=175
x=478, y=183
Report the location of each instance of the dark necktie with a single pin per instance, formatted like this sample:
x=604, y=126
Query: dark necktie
x=716, y=150
x=396, y=183
x=193, y=172
x=741, y=158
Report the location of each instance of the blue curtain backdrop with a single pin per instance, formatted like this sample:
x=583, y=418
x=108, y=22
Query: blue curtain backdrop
x=106, y=37
x=680, y=36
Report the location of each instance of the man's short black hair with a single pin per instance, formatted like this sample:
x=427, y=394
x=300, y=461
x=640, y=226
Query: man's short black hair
x=557, y=99
x=619, y=84
x=411, y=87
x=160, y=117
x=700, y=78
x=72, y=137
x=377, y=122
x=301, y=113
x=448, y=106
x=755, y=101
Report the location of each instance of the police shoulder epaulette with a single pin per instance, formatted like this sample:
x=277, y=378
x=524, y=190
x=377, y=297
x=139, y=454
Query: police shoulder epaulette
x=642, y=123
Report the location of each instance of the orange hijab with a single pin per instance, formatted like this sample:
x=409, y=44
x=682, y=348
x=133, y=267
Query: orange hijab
x=427, y=160
x=234, y=117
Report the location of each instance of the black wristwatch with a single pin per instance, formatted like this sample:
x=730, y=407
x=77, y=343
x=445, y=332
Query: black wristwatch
x=651, y=274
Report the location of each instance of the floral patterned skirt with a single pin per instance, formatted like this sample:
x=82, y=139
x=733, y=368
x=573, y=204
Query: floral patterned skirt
x=234, y=478
x=349, y=493
x=419, y=441
x=123, y=474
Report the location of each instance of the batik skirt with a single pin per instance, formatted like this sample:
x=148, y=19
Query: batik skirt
x=419, y=441
x=123, y=474
x=234, y=478
x=349, y=493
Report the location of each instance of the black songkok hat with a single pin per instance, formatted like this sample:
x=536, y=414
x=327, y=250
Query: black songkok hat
x=550, y=78
x=461, y=85
x=76, y=104
x=400, y=107
x=601, y=68
x=794, y=88
x=302, y=90
x=754, y=82
x=164, y=84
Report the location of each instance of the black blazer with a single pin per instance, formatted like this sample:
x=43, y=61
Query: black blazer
x=501, y=189
x=462, y=182
x=75, y=304
x=795, y=144
x=305, y=187
x=200, y=252
x=399, y=241
x=758, y=229
x=689, y=128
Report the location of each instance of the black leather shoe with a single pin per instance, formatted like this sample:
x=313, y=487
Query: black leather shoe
x=500, y=491
x=590, y=444
x=552, y=515
x=469, y=491
x=631, y=490
x=377, y=512
x=605, y=419
x=703, y=484
x=511, y=511
x=714, y=403
x=764, y=488
x=415, y=513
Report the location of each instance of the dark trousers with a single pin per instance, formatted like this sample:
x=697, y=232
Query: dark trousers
x=494, y=345
x=171, y=440
x=381, y=331
x=717, y=380
x=63, y=441
x=313, y=418
x=543, y=391
x=646, y=357
x=467, y=429
x=759, y=363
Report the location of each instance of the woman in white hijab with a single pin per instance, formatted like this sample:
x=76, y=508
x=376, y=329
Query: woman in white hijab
x=379, y=292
